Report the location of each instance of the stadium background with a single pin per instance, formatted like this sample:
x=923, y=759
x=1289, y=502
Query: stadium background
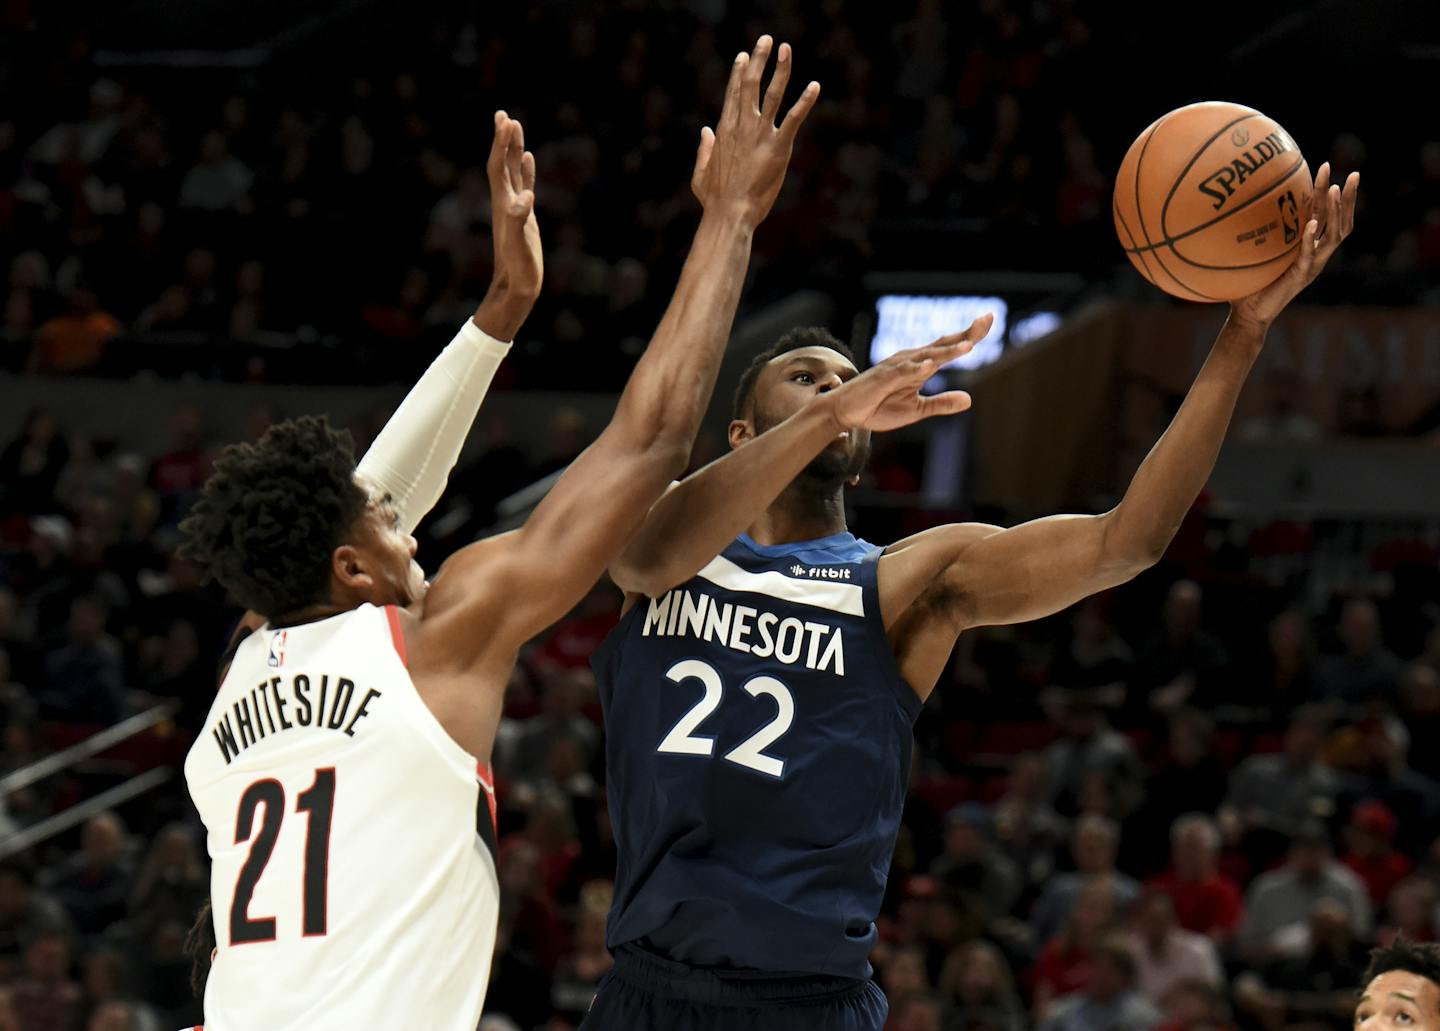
x=213, y=216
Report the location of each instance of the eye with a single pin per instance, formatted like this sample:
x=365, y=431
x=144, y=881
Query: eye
x=803, y=378
x=1403, y=1018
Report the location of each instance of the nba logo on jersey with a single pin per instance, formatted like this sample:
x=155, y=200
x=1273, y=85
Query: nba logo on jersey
x=277, y=648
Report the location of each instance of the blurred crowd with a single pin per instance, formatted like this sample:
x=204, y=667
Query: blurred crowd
x=1191, y=803
x=145, y=206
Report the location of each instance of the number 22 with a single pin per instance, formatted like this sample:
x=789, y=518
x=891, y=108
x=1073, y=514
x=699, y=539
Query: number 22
x=749, y=753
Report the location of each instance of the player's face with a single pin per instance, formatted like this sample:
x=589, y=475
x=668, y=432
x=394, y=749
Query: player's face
x=386, y=554
x=1399, y=1001
x=790, y=382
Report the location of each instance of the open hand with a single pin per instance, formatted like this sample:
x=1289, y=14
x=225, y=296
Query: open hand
x=741, y=165
x=887, y=396
x=519, y=260
x=1333, y=218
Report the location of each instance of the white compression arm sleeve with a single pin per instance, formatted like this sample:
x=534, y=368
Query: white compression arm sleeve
x=412, y=457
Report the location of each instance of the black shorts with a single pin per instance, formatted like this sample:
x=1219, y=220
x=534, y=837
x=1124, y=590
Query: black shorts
x=645, y=992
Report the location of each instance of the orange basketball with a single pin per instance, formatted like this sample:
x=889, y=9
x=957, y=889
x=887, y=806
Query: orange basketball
x=1211, y=201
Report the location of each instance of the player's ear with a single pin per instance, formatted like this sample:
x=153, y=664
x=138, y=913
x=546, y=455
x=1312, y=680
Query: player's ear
x=740, y=432
x=351, y=569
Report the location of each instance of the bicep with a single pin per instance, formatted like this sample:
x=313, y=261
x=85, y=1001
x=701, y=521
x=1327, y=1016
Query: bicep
x=1034, y=570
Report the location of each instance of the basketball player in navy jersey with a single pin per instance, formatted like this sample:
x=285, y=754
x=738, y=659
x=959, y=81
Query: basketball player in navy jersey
x=760, y=689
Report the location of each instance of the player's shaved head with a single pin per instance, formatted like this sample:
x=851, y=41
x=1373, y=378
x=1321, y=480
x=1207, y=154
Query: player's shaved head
x=794, y=340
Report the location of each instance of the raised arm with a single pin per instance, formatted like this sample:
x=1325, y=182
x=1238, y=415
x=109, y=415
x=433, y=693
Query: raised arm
x=412, y=457
x=518, y=583
x=973, y=575
x=699, y=516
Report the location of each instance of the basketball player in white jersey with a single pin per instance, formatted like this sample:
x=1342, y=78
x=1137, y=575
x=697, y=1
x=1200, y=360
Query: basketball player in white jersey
x=342, y=776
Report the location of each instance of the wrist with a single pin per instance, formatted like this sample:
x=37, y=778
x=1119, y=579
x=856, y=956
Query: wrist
x=729, y=217
x=502, y=313
x=1247, y=321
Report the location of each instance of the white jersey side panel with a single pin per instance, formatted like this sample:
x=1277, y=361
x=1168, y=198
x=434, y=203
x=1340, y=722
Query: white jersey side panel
x=351, y=839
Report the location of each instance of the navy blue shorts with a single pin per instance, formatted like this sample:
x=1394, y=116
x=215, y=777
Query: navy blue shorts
x=645, y=992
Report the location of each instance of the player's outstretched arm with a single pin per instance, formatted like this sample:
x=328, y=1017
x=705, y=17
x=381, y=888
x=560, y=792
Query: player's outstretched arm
x=977, y=575
x=699, y=516
x=517, y=584
x=413, y=455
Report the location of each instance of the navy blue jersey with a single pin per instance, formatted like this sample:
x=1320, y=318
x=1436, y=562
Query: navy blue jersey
x=758, y=745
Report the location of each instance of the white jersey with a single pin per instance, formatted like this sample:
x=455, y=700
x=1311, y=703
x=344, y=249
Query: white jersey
x=351, y=839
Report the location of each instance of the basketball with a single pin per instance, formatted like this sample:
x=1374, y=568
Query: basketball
x=1211, y=201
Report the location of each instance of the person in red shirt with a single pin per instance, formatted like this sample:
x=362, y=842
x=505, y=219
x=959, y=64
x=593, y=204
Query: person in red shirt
x=1206, y=901
x=1371, y=853
x=1063, y=966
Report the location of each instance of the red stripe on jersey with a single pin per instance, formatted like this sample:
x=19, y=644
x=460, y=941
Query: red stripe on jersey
x=487, y=784
x=396, y=633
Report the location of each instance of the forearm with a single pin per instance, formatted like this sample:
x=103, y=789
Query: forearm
x=413, y=455
x=698, y=517
x=670, y=388
x=1177, y=468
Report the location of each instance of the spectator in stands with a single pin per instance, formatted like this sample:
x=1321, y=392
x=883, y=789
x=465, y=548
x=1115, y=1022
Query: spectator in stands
x=1206, y=901
x=1380, y=772
x=1420, y=711
x=1288, y=677
x=1189, y=780
x=172, y=881
x=1090, y=745
x=1365, y=669
x=904, y=973
x=1279, y=905
x=1064, y=964
x=973, y=865
x=84, y=679
x=94, y=884
x=1194, y=1005
x=1271, y=795
x=1165, y=953
x=46, y=999
x=1370, y=852
x=1093, y=846
x=1097, y=656
x=26, y=914
x=218, y=181
x=981, y=990
x=114, y=1016
x=9, y=1020
x=1183, y=665
x=577, y=977
x=1314, y=987
x=1109, y=1001
x=1412, y=912
x=1282, y=421
x=31, y=464
x=1028, y=830
x=563, y=695
x=917, y=1013
x=75, y=340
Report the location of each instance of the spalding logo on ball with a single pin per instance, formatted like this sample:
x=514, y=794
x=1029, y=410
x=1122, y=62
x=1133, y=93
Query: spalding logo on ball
x=1210, y=200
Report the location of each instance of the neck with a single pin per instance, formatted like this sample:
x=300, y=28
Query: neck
x=308, y=614
x=805, y=511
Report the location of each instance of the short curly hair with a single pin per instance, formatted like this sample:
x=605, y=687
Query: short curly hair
x=273, y=512
x=801, y=336
x=1419, y=958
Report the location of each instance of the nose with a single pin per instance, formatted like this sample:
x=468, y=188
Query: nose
x=829, y=382
x=412, y=544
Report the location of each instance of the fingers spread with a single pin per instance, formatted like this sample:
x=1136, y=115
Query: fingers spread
x=759, y=58
x=731, y=109
x=795, y=117
x=775, y=93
